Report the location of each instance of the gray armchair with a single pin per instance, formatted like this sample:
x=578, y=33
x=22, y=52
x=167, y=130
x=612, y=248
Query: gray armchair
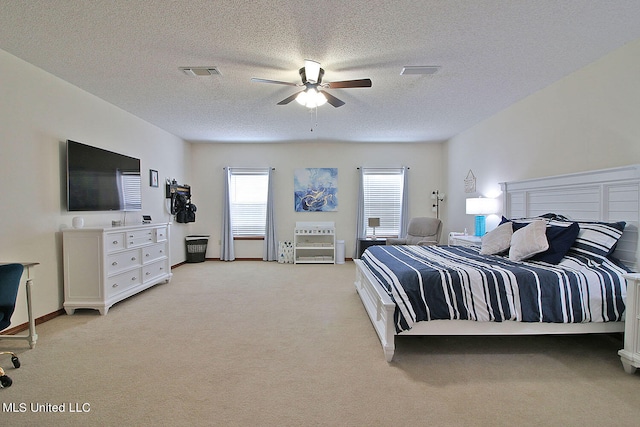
x=421, y=231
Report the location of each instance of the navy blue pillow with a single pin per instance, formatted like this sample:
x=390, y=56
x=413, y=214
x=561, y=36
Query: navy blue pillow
x=560, y=241
x=520, y=222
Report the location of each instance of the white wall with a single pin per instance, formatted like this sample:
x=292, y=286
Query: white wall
x=588, y=120
x=38, y=112
x=424, y=160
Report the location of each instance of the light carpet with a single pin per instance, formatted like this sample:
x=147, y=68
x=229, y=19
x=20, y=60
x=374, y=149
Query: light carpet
x=265, y=344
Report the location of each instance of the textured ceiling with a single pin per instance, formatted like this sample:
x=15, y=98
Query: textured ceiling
x=492, y=53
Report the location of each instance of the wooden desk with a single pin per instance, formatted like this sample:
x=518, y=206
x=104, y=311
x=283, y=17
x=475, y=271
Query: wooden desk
x=31, y=336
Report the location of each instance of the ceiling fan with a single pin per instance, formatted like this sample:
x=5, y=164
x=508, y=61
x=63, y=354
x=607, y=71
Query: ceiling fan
x=313, y=95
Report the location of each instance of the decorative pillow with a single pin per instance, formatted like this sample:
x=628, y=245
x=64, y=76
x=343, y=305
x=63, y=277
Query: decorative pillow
x=497, y=240
x=529, y=240
x=560, y=238
x=598, y=239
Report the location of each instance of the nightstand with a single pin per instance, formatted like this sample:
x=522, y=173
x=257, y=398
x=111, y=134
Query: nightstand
x=464, y=240
x=365, y=243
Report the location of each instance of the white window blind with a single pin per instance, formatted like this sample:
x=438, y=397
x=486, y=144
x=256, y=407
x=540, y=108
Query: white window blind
x=383, y=199
x=248, y=189
x=130, y=190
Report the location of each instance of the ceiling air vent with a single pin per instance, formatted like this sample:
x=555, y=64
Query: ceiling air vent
x=200, y=71
x=419, y=69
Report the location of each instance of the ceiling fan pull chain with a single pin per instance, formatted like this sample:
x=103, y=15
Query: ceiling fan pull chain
x=311, y=117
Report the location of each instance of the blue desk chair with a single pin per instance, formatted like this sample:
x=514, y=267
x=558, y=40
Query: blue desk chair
x=10, y=275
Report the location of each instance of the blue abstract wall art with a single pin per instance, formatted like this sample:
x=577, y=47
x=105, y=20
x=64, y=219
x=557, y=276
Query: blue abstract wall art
x=315, y=190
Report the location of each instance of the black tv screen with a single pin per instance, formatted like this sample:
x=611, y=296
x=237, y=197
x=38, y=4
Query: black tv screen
x=101, y=180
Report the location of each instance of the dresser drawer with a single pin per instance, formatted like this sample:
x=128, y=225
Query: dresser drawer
x=154, y=252
x=122, y=282
x=114, y=242
x=161, y=234
x=123, y=261
x=154, y=270
x=139, y=238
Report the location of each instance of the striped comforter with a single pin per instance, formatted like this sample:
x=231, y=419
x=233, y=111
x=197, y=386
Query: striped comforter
x=455, y=282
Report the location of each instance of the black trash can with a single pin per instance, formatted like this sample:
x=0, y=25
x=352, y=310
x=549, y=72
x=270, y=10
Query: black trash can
x=196, y=247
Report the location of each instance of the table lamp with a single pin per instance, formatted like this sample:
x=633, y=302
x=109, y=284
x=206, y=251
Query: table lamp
x=481, y=206
x=373, y=223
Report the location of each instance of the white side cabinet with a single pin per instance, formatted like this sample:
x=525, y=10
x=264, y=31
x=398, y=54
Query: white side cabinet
x=315, y=243
x=630, y=354
x=105, y=265
x=464, y=240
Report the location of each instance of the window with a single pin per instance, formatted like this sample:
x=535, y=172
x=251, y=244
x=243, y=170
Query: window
x=131, y=199
x=383, y=199
x=248, y=189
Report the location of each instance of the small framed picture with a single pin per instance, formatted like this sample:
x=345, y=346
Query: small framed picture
x=153, y=178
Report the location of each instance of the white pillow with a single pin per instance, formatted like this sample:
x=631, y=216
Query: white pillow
x=529, y=240
x=497, y=240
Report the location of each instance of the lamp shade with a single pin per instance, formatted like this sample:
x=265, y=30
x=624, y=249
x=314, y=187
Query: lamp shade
x=481, y=206
x=374, y=222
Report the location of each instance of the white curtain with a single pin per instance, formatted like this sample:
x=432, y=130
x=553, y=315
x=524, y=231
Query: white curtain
x=226, y=241
x=360, y=228
x=270, y=247
x=404, y=213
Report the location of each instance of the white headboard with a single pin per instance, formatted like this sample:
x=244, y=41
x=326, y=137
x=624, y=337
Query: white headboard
x=601, y=195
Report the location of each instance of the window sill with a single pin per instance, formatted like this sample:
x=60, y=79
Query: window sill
x=248, y=237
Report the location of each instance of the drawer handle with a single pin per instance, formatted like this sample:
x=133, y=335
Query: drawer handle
x=161, y=251
x=133, y=258
x=134, y=278
x=147, y=273
x=115, y=285
x=115, y=242
x=147, y=255
x=114, y=263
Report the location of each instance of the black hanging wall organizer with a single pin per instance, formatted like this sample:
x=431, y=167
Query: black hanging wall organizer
x=181, y=205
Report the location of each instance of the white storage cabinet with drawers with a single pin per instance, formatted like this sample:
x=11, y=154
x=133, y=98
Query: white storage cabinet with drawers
x=105, y=265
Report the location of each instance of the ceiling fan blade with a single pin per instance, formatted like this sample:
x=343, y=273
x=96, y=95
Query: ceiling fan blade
x=289, y=98
x=253, y=79
x=350, y=83
x=332, y=99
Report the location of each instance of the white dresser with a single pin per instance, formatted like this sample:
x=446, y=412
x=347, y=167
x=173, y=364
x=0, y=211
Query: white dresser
x=105, y=265
x=630, y=354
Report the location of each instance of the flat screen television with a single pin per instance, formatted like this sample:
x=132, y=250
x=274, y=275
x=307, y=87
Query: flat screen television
x=101, y=180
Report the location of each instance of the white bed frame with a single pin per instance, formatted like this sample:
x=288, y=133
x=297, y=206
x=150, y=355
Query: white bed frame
x=601, y=195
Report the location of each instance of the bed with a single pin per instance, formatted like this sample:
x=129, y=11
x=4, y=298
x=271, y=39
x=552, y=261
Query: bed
x=442, y=290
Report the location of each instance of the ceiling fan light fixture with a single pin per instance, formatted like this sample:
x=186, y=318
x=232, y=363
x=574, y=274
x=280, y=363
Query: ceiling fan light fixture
x=320, y=99
x=311, y=98
x=312, y=70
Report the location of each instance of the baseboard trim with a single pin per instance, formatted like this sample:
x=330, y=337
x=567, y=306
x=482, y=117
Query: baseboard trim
x=39, y=320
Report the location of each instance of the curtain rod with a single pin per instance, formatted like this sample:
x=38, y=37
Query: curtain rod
x=258, y=167
x=373, y=167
